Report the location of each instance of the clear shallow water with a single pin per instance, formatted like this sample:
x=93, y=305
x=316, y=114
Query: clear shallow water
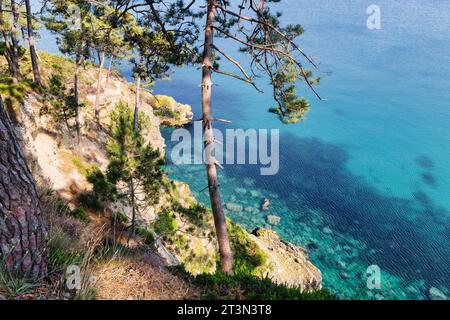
x=371, y=164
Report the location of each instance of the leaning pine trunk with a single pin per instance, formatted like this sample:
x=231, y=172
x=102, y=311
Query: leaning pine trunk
x=226, y=256
x=34, y=62
x=135, y=129
x=111, y=61
x=23, y=233
x=77, y=101
x=137, y=103
x=133, y=210
x=15, y=43
x=99, y=87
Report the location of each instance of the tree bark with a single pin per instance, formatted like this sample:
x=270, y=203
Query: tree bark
x=108, y=75
x=99, y=87
x=15, y=43
x=137, y=103
x=135, y=129
x=77, y=100
x=23, y=232
x=226, y=256
x=133, y=209
x=34, y=61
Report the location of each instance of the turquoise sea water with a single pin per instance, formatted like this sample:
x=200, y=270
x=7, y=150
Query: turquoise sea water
x=365, y=179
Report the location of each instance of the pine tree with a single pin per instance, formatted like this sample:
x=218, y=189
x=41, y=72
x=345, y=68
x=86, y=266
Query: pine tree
x=73, y=39
x=34, y=60
x=61, y=102
x=135, y=166
x=273, y=52
x=9, y=29
x=23, y=232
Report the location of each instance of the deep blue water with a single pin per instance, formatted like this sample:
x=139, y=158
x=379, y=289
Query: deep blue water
x=371, y=163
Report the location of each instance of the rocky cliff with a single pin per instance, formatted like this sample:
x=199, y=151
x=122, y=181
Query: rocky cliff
x=57, y=161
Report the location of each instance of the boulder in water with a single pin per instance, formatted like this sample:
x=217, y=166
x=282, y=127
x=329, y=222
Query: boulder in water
x=436, y=294
x=265, y=205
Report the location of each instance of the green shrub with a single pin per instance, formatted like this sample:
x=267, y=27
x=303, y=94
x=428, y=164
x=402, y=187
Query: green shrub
x=248, y=256
x=167, y=113
x=247, y=287
x=12, y=285
x=60, y=207
x=103, y=189
x=195, y=214
x=89, y=200
x=62, y=249
x=146, y=234
x=166, y=225
x=119, y=217
x=81, y=214
x=165, y=107
x=59, y=259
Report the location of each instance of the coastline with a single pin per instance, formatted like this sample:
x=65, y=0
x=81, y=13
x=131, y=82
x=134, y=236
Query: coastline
x=58, y=163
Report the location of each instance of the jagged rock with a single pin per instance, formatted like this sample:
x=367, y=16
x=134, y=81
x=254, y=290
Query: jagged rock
x=289, y=263
x=273, y=220
x=436, y=294
x=234, y=207
x=168, y=258
x=2, y=298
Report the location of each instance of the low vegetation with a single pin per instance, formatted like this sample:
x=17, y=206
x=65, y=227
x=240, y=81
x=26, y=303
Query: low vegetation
x=242, y=286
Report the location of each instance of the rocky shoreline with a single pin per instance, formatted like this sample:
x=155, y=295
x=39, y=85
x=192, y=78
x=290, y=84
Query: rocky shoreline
x=59, y=163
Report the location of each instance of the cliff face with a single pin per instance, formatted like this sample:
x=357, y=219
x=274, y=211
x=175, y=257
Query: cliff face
x=56, y=159
x=289, y=263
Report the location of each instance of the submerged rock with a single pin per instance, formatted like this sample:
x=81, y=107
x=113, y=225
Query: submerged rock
x=233, y=207
x=342, y=264
x=344, y=275
x=436, y=294
x=265, y=205
x=254, y=193
x=251, y=210
x=327, y=230
x=379, y=297
x=273, y=220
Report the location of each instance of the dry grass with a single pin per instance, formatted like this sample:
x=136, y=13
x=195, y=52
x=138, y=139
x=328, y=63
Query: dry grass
x=135, y=278
x=122, y=270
